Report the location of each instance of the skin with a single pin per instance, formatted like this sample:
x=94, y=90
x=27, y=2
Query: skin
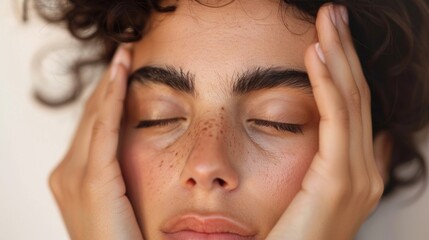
x=320, y=184
x=262, y=167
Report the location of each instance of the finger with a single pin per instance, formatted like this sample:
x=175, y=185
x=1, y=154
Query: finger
x=334, y=125
x=338, y=65
x=81, y=140
x=362, y=85
x=122, y=56
x=105, y=131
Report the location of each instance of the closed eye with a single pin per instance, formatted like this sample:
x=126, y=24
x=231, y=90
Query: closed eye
x=279, y=126
x=158, y=122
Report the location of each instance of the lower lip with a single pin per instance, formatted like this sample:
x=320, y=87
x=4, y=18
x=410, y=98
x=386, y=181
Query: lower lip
x=191, y=235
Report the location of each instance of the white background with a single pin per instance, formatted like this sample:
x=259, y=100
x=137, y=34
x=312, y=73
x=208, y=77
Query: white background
x=33, y=139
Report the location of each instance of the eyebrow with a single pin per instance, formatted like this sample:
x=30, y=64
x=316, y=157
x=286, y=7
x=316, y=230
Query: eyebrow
x=177, y=79
x=262, y=78
x=248, y=81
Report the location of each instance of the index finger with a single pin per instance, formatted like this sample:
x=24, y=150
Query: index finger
x=334, y=122
x=82, y=137
x=105, y=131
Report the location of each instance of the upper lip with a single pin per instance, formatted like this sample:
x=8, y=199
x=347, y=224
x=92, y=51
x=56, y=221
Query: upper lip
x=211, y=224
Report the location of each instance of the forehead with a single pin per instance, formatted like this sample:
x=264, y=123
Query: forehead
x=224, y=41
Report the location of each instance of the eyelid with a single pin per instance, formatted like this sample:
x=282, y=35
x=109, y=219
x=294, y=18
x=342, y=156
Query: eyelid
x=157, y=122
x=279, y=126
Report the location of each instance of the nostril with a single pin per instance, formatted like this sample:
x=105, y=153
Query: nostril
x=221, y=182
x=191, y=182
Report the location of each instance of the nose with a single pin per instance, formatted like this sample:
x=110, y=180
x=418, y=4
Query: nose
x=209, y=165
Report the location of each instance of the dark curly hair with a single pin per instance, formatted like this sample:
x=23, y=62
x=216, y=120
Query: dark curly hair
x=391, y=38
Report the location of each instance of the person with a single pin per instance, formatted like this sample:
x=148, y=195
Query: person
x=243, y=119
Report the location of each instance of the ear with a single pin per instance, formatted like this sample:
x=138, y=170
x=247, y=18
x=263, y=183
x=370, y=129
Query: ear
x=383, y=144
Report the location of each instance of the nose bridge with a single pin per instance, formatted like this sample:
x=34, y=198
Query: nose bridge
x=209, y=163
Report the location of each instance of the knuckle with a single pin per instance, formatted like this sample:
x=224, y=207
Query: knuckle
x=54, y=181
x=365, y=95
x=101, y=128
x=332, y=48
x=355, y=98
x=341, y=192
x=365, y=91
x=99, y=125
x=377, y=188
x=362, y=190
x=342, y=113
x=64, y=182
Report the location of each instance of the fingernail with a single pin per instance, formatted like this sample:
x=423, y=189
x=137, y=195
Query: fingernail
x=319, y=52
x=120, y=57
x=344, y=14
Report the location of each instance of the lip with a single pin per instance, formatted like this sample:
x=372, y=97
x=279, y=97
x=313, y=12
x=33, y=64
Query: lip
x=193, y=226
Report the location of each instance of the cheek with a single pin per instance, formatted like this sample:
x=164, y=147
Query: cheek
x=145, y=170
x=278, y=180
x=289, y=173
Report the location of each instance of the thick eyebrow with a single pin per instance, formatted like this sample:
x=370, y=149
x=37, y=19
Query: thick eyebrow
x=175, y=78
x=248, y=81
x=262, y=78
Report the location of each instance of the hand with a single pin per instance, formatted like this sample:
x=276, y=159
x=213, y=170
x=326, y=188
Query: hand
x=88, y=184
x=342, y=185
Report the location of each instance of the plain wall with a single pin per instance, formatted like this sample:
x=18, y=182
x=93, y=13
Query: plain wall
x=34, y=138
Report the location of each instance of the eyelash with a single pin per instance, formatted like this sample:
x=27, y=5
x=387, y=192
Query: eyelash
x=285, y=127
x=293, y=128
x=157, y=122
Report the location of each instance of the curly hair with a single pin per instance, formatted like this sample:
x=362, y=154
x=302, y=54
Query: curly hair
x=391, y=38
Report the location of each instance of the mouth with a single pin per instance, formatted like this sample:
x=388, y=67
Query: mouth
x=197, y=227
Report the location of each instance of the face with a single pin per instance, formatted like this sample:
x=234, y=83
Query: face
x=220, y=124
